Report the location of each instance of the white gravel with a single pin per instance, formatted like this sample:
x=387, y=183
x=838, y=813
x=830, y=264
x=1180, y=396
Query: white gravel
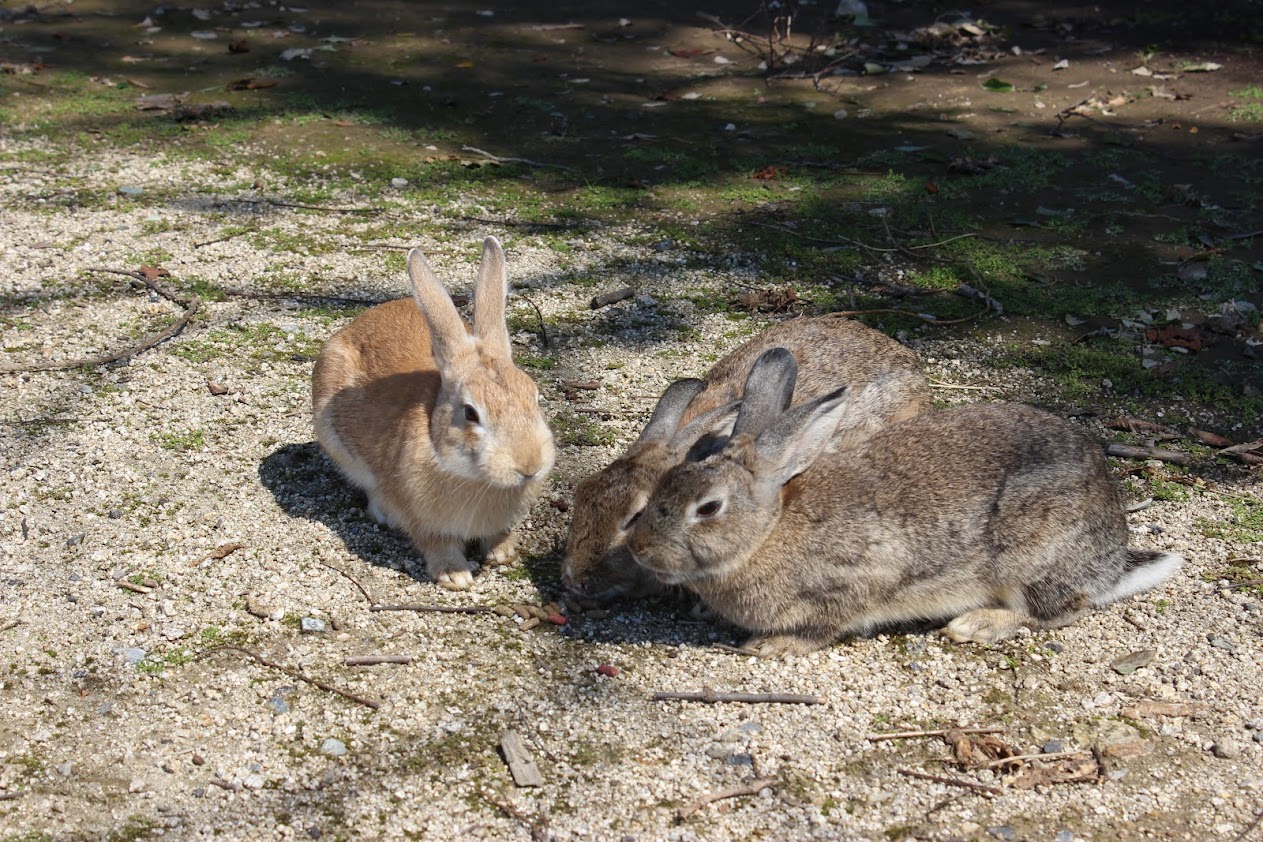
x=116, y=720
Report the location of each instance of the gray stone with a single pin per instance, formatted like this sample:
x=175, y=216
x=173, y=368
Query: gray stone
x=1053, y=747
x=1004, y=832
x=133, y=654
x=739, y=759
x=1227, y=749
x=253, y=782
x=1223, y=643
x=333, y=747
x=312, y=625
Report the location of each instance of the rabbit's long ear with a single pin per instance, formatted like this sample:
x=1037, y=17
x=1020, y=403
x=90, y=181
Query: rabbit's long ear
x=449, y=336
x=796, y=440
x=769, y=389
x=706, y=434
x=489, y=297
x=670, y=409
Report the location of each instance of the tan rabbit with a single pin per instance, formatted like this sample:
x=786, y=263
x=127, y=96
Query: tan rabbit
x=830, y=352
x=988, y=516
x=433, y=420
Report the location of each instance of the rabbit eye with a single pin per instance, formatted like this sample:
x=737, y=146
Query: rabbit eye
x=710, y=508
x=471, y=414
x=631, y=521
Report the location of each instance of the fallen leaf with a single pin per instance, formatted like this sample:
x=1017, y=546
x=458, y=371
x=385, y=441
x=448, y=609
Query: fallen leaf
x=1136, y=425
x=998, y=85
x=465, y=63
x=1209, y=438
x=770, y=173
x=1061, y=65
x=154, y=272
x=973, y=751
x=1204, y=67
x=931, y=188
x=241, y=45
x=1141, y=71
x=251, y=84
x=1070, y=770
x=225, y=550
x=1251, y=453
x=689, y=53
x=1173, y=336
x=771, y=300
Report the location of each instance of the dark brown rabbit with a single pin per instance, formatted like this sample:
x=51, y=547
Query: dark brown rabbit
x=830, y=352
x=989, y=517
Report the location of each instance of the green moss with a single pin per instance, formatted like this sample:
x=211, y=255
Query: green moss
x=572, y=428
x=187, y=440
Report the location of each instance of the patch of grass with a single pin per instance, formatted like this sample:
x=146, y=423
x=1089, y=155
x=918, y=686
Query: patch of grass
x=1245, y=524
x=136, y=827
x=540, y=362
x=188, y=440
x=157, y=665
x=1167, y=491
x=571, y=428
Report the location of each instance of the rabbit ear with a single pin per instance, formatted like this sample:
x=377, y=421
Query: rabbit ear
x=670, y=409
x=706, y=434
x=489, y=295
x=797, y=439
x=769, y=389
x=446, y=325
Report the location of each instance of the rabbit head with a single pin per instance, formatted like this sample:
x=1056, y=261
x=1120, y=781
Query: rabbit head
x=705, y=518
x=605, y=504
x=486, y=424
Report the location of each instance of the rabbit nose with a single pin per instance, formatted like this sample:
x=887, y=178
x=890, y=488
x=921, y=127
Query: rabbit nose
x=569, y=579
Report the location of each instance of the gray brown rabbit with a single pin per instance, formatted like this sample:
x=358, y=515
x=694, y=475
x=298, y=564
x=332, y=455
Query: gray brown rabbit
x=433, y=420
x=988, y=516
x=830, y=352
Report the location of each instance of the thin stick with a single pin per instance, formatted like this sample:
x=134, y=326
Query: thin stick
x=710, y=696
x=926, y=776
x=921, y=316
x=11, y=796
x=353, y=580
x=538, y=825
x=299, y=206
x=1022, y=758
x=133, y=587
x=753, y=787
x=939, y=732
x=151, y=341
x=293, y=673
x=543, y=331
x=936, y=384
x=1127, y=451
x=1234, y=587
x=497, y=159
x=435, y=609
x=223, y=239
x=374, y=660
x=11, y=624
x=1240, y=837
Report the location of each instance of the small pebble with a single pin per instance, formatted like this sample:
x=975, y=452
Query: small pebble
x=313, y=625
x=133, y=654
x=1223, y=643
x=399, y=183
x=253, y=782
x=597, y=614
x=1227, y=749
x=1053, y=747
x=1054, y=647
x=1004, y=832
x=333, y=747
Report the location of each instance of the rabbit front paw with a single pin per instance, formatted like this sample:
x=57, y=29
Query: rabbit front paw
x=497, y=552
x=780, y=645
x=446, y=564
x=984, y=625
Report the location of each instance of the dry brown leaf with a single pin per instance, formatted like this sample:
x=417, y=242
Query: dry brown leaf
x=153, y=273
x=1070, y=770
x=973, y=751
x=1137, y=425
x=1209, y=438
x=225, y=550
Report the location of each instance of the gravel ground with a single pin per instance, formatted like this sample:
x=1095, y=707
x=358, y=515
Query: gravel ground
x=125, y=485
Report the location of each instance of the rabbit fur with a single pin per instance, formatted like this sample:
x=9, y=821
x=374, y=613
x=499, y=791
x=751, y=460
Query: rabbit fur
x=830, y=352
x=988, y=516
x=431, y=418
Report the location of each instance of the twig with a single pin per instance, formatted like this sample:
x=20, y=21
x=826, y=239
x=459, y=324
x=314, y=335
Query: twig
x=133, y=587
x=938, y=385
x=607, y=298
x=293, y=673
x=1127, y=451
x=299, y=206
x=11, y=796
x=374, y=660
x=1022, y=758
x=151, y=341
x=222, y=239
x=926, y=776
x=543, y=331
x=513, y=223
x=497, y=159
x=1234, y=587
x=538, y=826
x=967, y=291
x=939, y=732
x=710, y=696
x=753, y=787
x=353, y=580
x=921, y=316
x=1240, y=837
x=11, y=624
x=435, y=609
x=1133, y=621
